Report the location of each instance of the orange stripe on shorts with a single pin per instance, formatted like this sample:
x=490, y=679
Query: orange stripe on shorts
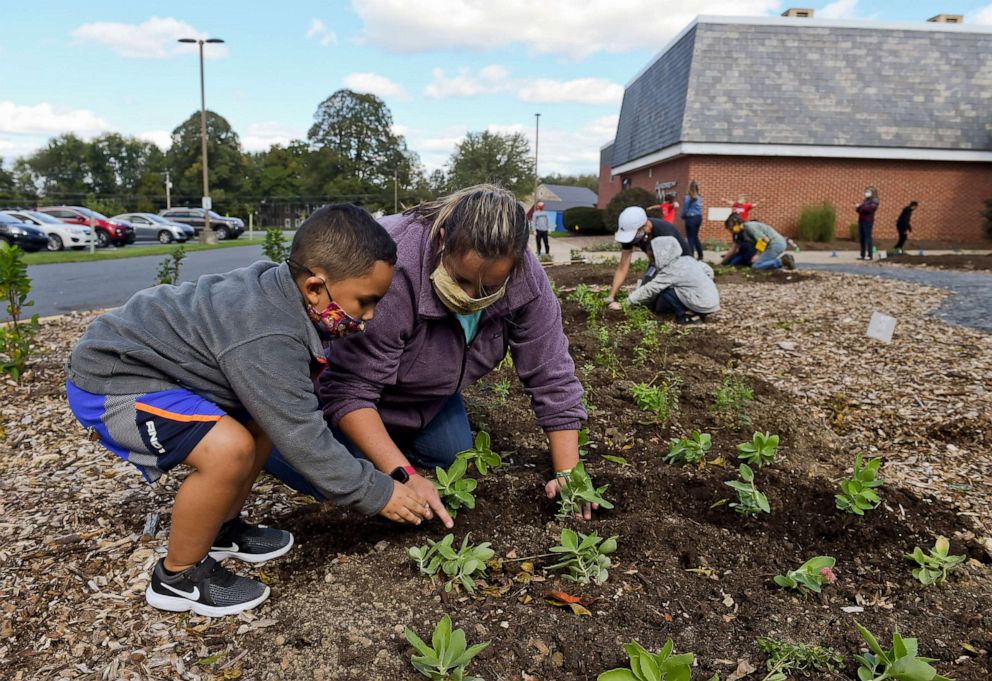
x=188, y=418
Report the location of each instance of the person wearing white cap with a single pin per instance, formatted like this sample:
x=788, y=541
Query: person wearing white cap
x=635, y=228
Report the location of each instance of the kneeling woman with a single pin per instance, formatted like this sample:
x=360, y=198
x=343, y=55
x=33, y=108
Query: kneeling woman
x=465, y=290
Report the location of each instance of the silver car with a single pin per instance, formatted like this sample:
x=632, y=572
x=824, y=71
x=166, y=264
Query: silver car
x=152, y=227
x=60, y=234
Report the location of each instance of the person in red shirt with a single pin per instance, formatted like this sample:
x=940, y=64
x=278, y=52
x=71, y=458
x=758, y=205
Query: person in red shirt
x=742, y=207
x=667, y=208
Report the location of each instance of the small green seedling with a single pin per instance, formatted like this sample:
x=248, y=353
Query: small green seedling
x=899, y=662
x=803, y=658
x=760, y=451
x=689, y=450
x=585, y=557
x=814, y=574
x=660, y=400
x=447, y=656
x=577, y=489
x=589, y=300
x=732, y=397
x=460, y=566
x=934, y=568
x=482, y=455
x=858, y=494
x=584, y=442
x=454, y=488
x=749, y=500
x=647, y=666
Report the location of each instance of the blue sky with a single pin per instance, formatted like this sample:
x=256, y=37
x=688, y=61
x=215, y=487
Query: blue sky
x=444, y=67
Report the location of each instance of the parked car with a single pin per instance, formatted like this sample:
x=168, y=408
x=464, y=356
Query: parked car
x=149, y=226
x=225, y=228
x=60, y=235
x=107, y=231
x=17, y=233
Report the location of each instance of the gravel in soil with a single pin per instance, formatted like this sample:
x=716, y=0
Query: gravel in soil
x=75, y=562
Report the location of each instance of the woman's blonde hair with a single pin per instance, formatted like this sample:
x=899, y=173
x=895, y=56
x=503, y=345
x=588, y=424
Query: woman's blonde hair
x=693, y=190
x=484, y=218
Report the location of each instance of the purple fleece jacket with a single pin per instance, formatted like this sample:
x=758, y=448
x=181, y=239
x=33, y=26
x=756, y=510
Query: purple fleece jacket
x=413, y=355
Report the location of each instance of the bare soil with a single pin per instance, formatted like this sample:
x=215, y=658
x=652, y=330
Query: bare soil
x=957, y=261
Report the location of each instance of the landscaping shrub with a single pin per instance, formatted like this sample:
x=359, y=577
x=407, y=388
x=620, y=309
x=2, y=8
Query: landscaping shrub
x=17, y=337
x=635, y=196
x=816, y=222
x=987, y=214
x=852, y=231
x=168, y=270
x=585, y=220
x=275, y=247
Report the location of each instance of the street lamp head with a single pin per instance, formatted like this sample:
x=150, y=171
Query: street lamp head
x=187, y=40
x=213, y=40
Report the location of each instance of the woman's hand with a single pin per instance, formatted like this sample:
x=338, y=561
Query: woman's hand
x=552, y=487
x=426, y=490
x=405, y=506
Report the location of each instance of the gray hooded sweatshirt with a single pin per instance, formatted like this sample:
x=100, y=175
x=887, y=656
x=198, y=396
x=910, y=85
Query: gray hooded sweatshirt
x=241, y=340
x=691, y=279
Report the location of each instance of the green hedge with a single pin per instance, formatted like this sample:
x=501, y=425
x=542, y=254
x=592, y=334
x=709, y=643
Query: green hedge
x=635, y=196
x=817, y=222
x=585, y=220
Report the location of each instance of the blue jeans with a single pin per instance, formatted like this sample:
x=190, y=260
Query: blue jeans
x=435, y=446
x=692, y=224
x=864, y=233
x=769, y=260
x=667, y=302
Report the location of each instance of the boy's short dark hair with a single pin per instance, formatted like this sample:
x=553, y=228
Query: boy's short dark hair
x=914, y=204
x=343, y=240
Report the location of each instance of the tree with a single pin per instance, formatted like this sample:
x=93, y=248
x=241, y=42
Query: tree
x=117, y=164
x=590, y=181
x=502, y=159
x=635, y=196
x=358, y=127
x=225, y=161
x=61, y=167
x=7, y=181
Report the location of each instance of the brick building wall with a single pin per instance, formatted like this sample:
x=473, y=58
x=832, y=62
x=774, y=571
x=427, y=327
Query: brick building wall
x=951, y=194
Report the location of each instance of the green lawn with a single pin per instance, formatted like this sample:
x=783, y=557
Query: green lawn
x=111, y=253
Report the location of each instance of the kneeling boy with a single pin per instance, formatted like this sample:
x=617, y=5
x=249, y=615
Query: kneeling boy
x=212, y=374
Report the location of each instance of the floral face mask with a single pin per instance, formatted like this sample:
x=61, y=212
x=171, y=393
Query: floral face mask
x=331, y=322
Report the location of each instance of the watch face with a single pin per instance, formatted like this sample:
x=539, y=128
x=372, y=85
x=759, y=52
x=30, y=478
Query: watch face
x=399, y=474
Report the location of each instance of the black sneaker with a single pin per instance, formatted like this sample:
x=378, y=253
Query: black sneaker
x=250, y=543
x=686, y=319
x=207, y=589
x=788, y=261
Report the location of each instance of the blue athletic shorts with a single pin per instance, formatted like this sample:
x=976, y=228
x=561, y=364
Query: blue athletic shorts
x=155, y=431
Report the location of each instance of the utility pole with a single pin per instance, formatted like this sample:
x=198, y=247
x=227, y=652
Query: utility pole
x=396, y=192
x=168, y=191
x=537, y=143
x=207, y=236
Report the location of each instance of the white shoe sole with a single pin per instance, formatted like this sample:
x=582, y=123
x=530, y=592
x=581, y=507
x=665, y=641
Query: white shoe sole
x=221, y=554
x=180, y=604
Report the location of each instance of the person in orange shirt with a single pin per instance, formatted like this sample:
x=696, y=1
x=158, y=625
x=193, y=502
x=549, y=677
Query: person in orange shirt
x=667, y=208
x=742, y=207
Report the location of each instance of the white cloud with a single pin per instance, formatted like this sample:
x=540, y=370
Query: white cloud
x=45, y=119
x=261, y=136
x=375, y=84
x=490, y=79
x=841, y=9
x=552, y=26
x=579, y=91
x=982, y=16
x=153, y=39
x=318, y=29
x=160, y=138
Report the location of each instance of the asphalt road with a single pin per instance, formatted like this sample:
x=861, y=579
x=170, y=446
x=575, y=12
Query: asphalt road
x=61, y=288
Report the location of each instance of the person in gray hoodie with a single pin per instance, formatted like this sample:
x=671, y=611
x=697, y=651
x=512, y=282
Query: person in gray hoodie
x=677, y=284
x=212, y=373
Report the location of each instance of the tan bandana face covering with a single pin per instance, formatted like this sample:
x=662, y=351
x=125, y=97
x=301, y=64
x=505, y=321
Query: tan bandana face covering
x=455, y=299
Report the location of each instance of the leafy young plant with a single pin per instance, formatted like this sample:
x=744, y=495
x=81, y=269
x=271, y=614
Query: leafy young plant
x=17, y=337
x=646, y=666
x=576, y=489
x=760, y=451
x=482, y=455
x=797, y=657
x=814, y=574
x=899, y=662
x=501, y=390
x=275, y=247
x=589, y=300
x=454, y=488
x=858, y=494
x=749, y=500
x=460, y=566
x=446, y=658
x=732, y=397
x=168, y=269
x=689, y=450
x=585, y=557
x=934, y=567
x=660, y=400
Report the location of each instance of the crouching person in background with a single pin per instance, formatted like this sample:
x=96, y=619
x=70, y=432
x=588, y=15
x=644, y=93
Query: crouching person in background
x=677, y=284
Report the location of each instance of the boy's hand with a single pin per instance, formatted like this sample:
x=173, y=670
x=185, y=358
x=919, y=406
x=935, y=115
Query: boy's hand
x=426, y=489
x=614, y=305
x=405, y=506
x=551, y=489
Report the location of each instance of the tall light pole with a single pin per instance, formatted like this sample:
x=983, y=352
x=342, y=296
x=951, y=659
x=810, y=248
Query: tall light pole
x=207, y=235
x=537, y=142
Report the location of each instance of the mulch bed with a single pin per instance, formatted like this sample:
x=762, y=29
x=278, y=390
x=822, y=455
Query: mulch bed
x=75, y=564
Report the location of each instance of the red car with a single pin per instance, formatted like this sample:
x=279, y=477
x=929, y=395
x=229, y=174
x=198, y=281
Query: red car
x=107, y=231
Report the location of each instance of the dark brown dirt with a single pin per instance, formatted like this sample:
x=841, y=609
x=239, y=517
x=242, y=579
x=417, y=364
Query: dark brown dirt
x=958, y=261
x=348, y=590
x=889, y=240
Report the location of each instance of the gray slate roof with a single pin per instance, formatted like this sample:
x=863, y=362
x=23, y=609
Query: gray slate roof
x=570, y=197
x=800, y=81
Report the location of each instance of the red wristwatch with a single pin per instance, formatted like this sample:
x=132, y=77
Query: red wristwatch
x=403, y=474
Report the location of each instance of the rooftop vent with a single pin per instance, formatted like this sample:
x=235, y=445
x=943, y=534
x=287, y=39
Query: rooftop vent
x=798, y=12
x=946, y=19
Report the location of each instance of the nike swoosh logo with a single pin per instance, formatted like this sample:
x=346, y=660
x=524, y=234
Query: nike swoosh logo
x=233, y=547
x=192, y=595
